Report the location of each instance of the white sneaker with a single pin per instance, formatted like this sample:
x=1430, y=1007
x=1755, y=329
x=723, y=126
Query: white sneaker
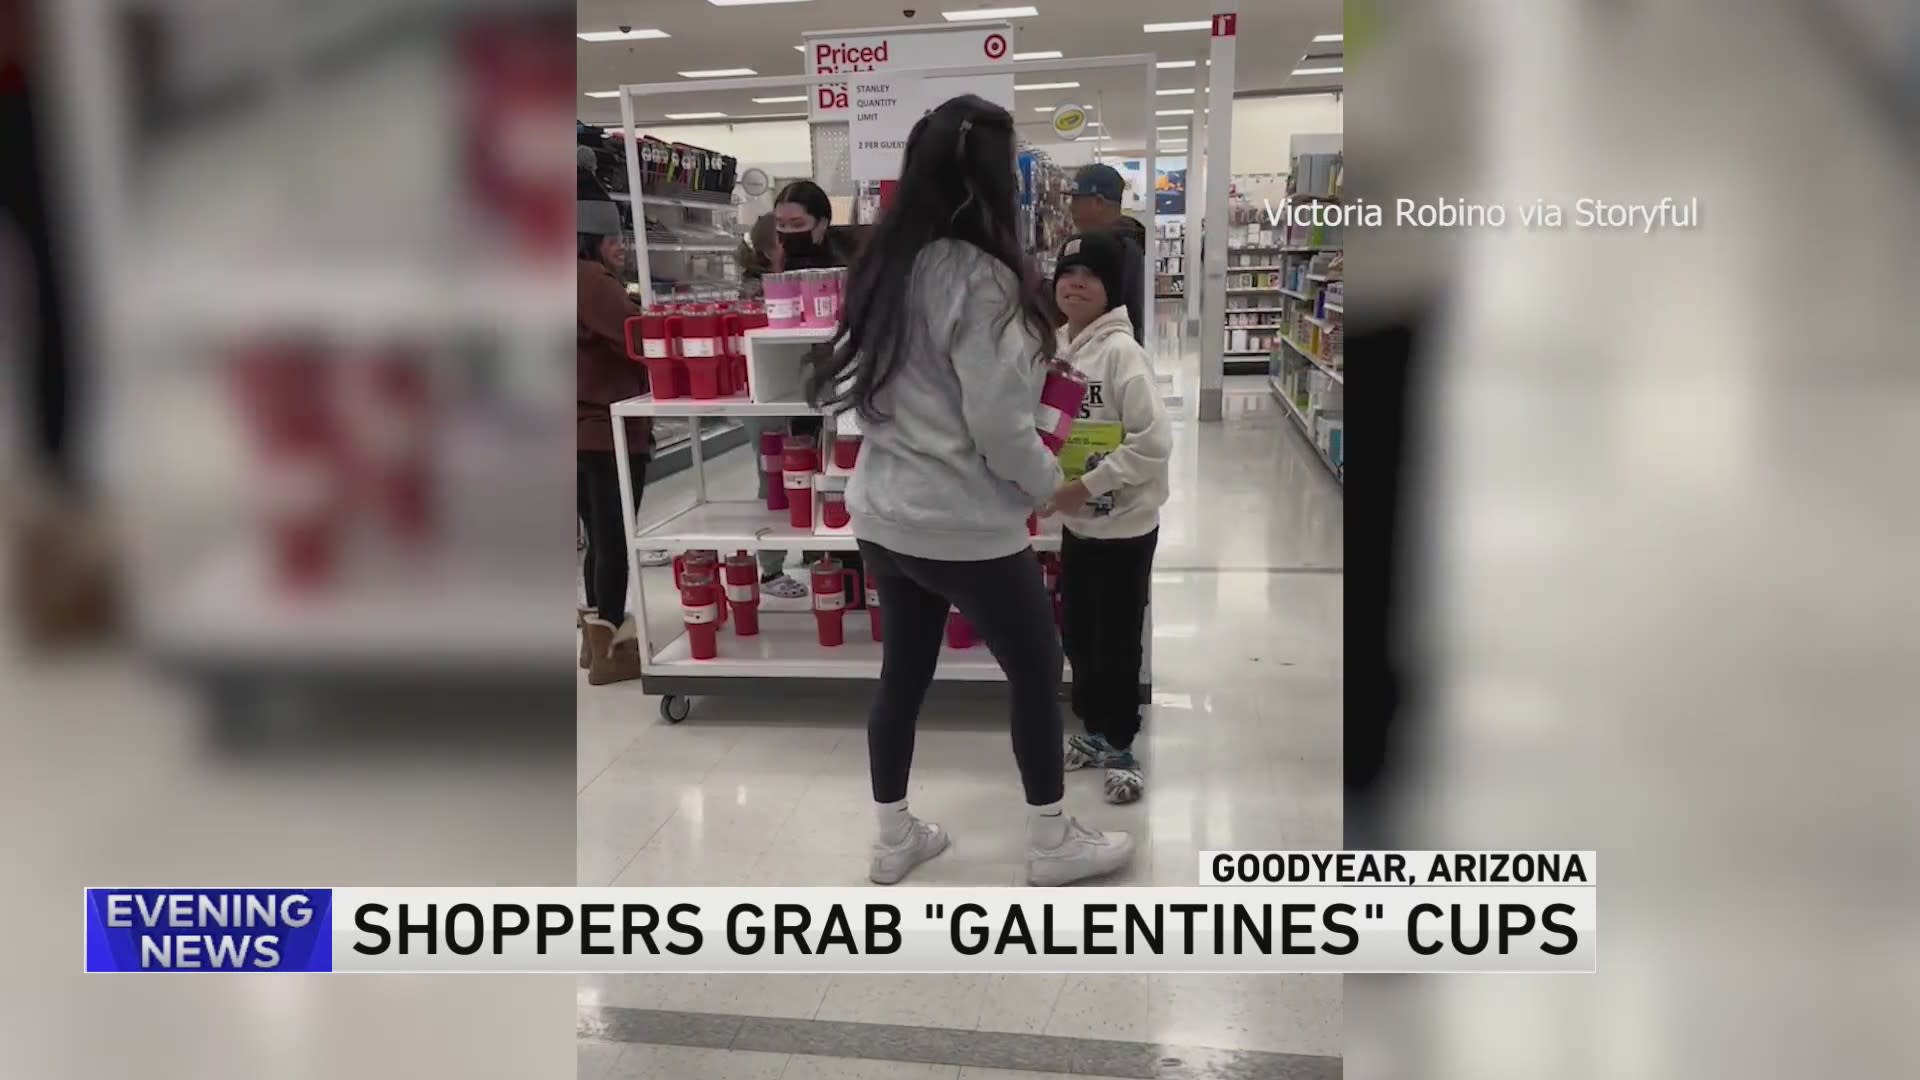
x=891, y=862
x=1085, y=853
x=656, y=557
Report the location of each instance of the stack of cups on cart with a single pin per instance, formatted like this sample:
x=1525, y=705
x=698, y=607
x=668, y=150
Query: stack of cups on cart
x=809, y=298
x=696, y=351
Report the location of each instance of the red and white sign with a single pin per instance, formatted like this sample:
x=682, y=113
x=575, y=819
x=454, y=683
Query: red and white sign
x=852, y=52
x=1224, y=25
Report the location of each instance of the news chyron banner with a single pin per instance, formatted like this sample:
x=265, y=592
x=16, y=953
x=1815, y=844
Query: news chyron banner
x=1254, y=912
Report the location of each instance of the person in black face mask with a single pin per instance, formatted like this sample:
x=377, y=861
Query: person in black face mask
x=798, y=235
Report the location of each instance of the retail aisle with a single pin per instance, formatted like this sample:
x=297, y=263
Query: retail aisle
x=1241, y=748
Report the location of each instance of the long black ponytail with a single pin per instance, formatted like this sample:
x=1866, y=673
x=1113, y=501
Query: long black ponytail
x=957, y=181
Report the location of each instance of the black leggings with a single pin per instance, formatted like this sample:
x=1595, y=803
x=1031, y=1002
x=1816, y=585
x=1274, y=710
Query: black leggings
x=1006, y=601
x=597, y=497
x=1105, y=587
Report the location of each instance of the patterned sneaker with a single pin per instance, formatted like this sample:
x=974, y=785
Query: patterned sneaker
x=1087, y=752
x=1125, y=783
x=783, y=587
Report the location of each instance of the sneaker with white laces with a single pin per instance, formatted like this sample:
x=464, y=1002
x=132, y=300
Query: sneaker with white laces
x=891, y=862
x=656, y=557
x=1085, y=853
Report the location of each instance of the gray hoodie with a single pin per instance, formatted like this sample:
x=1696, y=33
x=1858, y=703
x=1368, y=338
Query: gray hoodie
x=955, y=466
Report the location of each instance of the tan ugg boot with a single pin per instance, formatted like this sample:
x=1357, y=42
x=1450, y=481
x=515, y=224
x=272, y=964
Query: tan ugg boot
x=65, y=588
x=613, y=653
x=580, y=614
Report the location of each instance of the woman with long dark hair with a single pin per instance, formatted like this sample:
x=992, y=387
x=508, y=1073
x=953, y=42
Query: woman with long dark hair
x=941, y=352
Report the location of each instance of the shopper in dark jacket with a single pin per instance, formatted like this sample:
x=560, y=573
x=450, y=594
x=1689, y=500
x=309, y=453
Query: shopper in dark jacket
x=1095, y=202
x=610, y=649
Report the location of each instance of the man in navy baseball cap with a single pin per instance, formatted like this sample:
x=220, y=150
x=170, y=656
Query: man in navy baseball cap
x=1098, y=192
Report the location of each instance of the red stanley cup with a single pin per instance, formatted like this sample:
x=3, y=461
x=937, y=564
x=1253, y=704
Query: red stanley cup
x=743, y=592
x=830, y=601
x=798, y=463
x=772, y=451
x=846, y=451
x=1060, y=399
x=959, y=630
x=873, y=607
x=833, y=509
x=701, y=351
x=700, y=611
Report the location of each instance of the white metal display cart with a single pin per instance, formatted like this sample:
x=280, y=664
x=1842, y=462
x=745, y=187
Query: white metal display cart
x=785, y=656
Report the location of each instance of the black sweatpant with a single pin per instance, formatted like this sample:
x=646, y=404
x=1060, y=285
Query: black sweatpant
x=1006, y=601
x=1103, y=587
x=597, y=495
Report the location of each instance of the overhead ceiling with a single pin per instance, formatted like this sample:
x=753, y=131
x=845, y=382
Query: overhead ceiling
x=1273, y=37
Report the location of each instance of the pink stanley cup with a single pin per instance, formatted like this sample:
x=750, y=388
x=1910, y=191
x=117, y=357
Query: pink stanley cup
x=1060, y=401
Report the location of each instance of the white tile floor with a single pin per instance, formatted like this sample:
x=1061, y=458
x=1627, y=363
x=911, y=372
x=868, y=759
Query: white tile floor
x=1241, y=747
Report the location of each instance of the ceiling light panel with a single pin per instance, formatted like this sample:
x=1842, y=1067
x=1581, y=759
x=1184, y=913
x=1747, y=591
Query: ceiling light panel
x=718, y=73
x=1050, y=54
x=622, y=35
x=1165, y=65
x=1329, y=37
x=978, y=14
x=696, y=115
x=1175, y=92
x=1319, y=71
x=779, y=100
x=1175, y=27
x=1046, y=86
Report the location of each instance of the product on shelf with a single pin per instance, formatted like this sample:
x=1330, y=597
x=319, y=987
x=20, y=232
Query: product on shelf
x=700, y=613
x=785, y=300
x=833, y=509
x=799, y=462
x=742, y=576
x=959, y=630
x=830, y=581
x=846, y=451
x=772, y=462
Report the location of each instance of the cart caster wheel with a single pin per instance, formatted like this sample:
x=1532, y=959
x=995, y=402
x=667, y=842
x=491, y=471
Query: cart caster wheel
x=675, y=707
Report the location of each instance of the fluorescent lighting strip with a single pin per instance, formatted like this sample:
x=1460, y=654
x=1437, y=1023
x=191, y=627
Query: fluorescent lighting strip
x=1050, y=54
x=978, y=14
x=1173, y=112
x=1046, y=86
x=1329, y=37
x=603, y=93
x=750, y=3
x=1319, y=71
x=1175, y=92
x=1174, y=27
x=779, y=100
x=622, y=35
x=1167, y=64
x=718, y=73
x=696, y=116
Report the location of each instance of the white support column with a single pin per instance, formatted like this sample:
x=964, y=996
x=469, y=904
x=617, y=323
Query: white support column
x=638, y=206
x=1196, y=213
x=1213, y=302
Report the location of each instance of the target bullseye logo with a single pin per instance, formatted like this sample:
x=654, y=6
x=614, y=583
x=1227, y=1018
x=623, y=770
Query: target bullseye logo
x=996, y=46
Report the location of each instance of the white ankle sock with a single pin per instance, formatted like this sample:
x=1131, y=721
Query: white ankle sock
x=894, y=821
x=1046, y=826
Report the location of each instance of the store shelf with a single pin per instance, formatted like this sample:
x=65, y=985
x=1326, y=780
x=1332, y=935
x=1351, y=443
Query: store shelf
x=792, y=333
x=1262, y=326
x=1253, y=310
x=1323, y=324
x=674, y=200
x=737, y=405
x=1300, y=248
x=1251, y=289
x=1297, y=295
x=788, y=647
x=728, y=526
x=1247, y=352
x=1320, y=277
x=691, y=246
x=1340, y=308
x=1248, y=366
x=1306, y=428
x=1170, y=296
x=1255, y=269
x=1314, y=360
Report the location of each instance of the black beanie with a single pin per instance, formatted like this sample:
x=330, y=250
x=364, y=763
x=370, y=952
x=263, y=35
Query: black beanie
x=1105, y=254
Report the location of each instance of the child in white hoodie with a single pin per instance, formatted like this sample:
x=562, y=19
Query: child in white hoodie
x=1112, y=513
